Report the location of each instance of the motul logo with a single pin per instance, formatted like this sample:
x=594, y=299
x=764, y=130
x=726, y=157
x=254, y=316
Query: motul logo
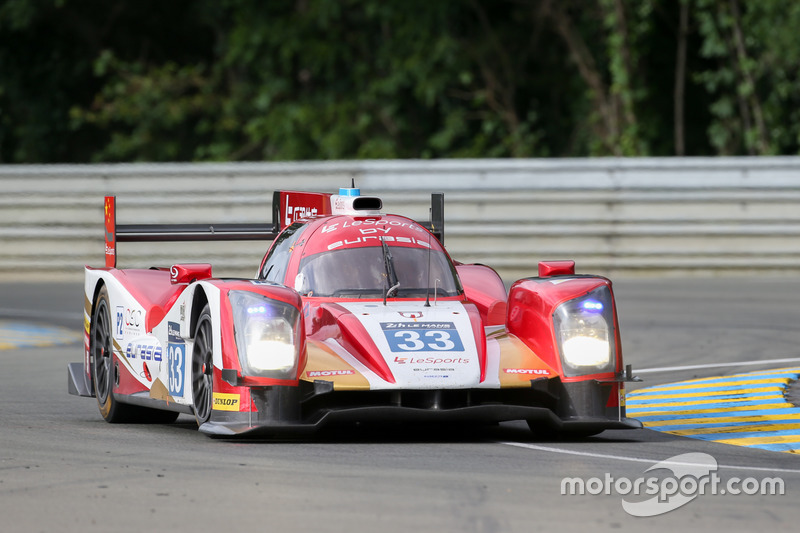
x=533, y=371
x=319, y=373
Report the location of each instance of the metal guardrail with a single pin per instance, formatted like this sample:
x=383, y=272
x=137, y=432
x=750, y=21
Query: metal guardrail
x=676, y=216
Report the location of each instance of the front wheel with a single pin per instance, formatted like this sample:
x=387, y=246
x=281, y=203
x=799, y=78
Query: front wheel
x=203, y=368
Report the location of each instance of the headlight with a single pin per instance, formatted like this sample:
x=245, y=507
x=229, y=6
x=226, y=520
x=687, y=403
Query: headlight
x=585, y=335
x=265, y=335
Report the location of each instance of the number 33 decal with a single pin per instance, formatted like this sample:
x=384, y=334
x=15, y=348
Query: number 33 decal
x=434, y=340
x=405, y=340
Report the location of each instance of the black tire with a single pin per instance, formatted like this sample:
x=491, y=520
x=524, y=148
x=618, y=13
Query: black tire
x=203, y=368
x=104, y=372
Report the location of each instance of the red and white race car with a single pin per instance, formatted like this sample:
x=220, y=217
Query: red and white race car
x=354, y=315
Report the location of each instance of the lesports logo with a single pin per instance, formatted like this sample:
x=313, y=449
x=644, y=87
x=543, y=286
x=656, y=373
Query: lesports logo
x=692, y=475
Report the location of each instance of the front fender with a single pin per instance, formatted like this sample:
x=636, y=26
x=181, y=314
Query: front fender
x=532, y=303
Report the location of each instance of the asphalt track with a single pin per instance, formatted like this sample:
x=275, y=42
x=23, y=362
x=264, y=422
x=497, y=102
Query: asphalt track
x=63, y=469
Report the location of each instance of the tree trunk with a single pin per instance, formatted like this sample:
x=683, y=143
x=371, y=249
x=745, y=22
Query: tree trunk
x=680, y=80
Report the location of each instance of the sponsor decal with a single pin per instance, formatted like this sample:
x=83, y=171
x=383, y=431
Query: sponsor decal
x=226, y=402
x=174, y=332
x=422, y=337
x=299, y=212
x=176, y=359
x=531, y=371
x=147, y=349
x=433, y=361
x=364, y=240
x=133, y=318
x=128, y=322
x=323, y=373
x=339, y=203
x=293, y=213
x=410, y=314
x=380, y=225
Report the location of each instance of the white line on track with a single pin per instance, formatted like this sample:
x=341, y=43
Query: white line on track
x=639, y=459
x=714, y=365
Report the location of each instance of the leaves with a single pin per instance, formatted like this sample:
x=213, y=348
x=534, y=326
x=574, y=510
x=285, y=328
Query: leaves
x=112, y=80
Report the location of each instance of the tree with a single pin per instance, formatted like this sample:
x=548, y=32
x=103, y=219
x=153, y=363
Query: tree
x=196, y=80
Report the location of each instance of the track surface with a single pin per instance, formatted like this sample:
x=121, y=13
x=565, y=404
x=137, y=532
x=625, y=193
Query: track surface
x=62, y=468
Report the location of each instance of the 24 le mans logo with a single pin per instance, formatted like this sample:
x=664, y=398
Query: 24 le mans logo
x=422, y=337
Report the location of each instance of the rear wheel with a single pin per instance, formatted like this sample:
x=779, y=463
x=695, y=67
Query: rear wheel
x=203, y=368
x=105, y=373
x=104, y=370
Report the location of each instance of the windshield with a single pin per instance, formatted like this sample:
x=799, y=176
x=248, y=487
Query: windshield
x=274, y=268
x=362, y=273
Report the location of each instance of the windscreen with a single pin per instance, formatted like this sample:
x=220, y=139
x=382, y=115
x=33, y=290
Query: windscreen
x=369, y=272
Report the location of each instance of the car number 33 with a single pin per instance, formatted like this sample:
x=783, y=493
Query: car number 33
x=412, y=340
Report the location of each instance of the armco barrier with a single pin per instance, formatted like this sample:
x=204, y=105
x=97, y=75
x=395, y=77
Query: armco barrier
x=674, y=216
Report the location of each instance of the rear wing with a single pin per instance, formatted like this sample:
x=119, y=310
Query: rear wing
x=287, y=207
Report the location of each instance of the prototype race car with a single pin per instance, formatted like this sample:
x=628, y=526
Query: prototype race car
x=353, y=316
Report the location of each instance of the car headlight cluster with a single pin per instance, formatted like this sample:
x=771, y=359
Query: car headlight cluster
x=585, y=335
x=266, y=335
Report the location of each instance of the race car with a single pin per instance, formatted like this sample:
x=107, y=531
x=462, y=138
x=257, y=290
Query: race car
x=353, y=316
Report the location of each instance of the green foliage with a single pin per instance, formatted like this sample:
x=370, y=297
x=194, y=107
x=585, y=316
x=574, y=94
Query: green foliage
x=753, y=75
x=199, y=80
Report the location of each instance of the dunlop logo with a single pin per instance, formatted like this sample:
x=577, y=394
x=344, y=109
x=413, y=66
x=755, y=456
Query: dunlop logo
x=226, y=402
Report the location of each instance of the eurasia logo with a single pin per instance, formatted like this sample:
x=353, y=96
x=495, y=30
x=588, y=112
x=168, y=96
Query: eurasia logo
x=147, y=349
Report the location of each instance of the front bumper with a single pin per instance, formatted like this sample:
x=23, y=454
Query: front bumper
x=559, y=407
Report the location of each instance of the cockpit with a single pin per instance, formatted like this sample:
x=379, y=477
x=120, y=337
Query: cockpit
x=377, y=271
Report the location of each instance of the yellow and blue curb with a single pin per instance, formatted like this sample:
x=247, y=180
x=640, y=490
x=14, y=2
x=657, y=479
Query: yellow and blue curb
x=26, y=335
x=744, y=409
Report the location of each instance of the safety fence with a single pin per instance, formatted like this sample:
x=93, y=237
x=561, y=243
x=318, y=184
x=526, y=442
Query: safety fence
x=648, y=216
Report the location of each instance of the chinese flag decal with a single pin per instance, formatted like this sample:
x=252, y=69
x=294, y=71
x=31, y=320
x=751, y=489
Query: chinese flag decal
x=110, y=232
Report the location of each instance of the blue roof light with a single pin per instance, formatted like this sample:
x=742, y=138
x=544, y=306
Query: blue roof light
x=346, y=191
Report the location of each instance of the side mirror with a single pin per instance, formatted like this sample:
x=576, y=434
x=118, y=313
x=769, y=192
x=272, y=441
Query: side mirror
x=556, y=268
x=189, y=272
